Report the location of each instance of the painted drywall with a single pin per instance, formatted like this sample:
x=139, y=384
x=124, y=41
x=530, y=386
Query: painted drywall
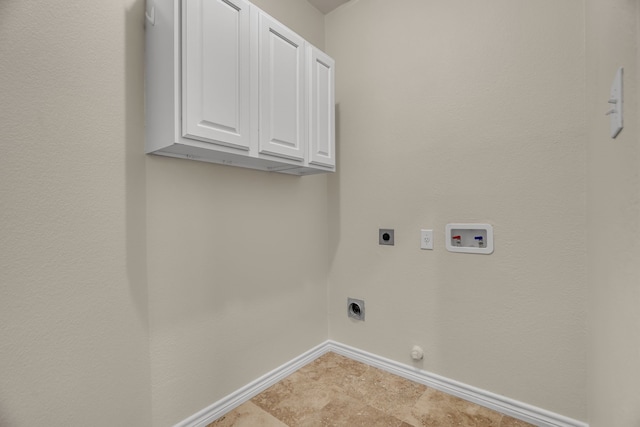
x=73, y=298
x=614, y=223
x=447, y=112
x=464, y=111
x=237, y=265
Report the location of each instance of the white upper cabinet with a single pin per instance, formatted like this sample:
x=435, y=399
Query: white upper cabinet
x=215, y=72
x=321, y=122
x=226, y=83
x=281, y=90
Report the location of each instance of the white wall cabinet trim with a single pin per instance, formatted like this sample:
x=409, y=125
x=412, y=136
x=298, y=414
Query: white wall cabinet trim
x=227, y=83
x=321, y=92
x=281, y=90
x=215, y=94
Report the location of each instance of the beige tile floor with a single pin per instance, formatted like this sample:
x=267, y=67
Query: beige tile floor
x=336, y=391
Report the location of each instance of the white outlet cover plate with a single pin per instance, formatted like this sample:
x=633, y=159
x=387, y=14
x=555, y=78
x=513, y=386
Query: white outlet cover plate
x=617, y=101
x=426, y=239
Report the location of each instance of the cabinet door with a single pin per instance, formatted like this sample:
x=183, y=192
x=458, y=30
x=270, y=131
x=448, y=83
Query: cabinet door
x=321, y=83
x=281, y=90
x=216, y=72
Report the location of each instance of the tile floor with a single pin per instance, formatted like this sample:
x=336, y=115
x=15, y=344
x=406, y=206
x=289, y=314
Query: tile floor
x=336, y=391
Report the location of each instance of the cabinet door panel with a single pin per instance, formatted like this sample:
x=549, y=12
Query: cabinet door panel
x=281, y=93
x=321, y=75
x=215, y=74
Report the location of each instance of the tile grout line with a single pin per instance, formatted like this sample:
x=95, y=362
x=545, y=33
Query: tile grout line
x=515, y=411
x=401, y=420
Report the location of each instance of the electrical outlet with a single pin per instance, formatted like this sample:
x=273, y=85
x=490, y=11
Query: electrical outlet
x=355, y=308
x=386, y=236
x=426, y=239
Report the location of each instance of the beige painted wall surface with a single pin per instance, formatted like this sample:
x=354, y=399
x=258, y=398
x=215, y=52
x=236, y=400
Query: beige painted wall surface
x=73, y=303
x=464, y=111
x=443, y=116
x=614, y=223
x=237, y=265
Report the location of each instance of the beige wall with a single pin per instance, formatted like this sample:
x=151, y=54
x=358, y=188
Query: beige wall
x=443, y=116
x=237, y=264
x=73, y=297
x=614, y=223
x=464, y=111
x=237, y=259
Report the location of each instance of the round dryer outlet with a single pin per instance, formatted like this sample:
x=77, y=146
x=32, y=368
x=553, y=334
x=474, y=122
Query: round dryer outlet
x=355, y=308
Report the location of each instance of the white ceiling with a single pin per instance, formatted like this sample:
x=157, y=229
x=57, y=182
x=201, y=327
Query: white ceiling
x=326, y=6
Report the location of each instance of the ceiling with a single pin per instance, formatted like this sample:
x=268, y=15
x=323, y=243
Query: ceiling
x=326, y=6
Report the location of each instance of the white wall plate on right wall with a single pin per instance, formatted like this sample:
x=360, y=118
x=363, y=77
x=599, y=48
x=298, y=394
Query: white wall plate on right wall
x=469, y=238
x=616, y=101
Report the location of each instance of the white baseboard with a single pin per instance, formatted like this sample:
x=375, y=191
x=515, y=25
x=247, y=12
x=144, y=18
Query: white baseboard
x=238, y=397
x=514, y=408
